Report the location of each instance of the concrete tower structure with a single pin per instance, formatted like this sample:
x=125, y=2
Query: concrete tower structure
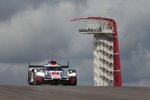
x=107, y=70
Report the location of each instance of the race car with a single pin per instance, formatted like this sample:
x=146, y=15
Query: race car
x=51, y=73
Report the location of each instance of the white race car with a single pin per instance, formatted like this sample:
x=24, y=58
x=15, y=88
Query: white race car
x=51, y=73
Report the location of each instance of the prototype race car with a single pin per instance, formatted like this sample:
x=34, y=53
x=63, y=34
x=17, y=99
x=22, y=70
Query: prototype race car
x=51, y=73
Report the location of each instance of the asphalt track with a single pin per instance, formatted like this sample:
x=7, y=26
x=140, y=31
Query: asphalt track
x=48, y=92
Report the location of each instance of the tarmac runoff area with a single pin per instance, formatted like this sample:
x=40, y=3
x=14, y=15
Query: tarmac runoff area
x=48, y=92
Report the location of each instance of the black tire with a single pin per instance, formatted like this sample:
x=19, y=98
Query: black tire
x=30, y=83
x=73, y=81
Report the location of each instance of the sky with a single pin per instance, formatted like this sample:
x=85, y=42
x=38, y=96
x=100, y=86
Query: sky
x=38, y=30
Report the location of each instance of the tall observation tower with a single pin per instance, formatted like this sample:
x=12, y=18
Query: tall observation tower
x=107, y=70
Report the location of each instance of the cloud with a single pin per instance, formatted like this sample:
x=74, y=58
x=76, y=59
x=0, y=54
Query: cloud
x=134, y=42
x=35, y=31
x=13, y=73
x=85, y=72
x=139, y=83
x=9, y=9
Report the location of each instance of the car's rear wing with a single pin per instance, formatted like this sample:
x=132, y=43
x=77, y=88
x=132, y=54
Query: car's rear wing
x=41, y=66
x=36, y=66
